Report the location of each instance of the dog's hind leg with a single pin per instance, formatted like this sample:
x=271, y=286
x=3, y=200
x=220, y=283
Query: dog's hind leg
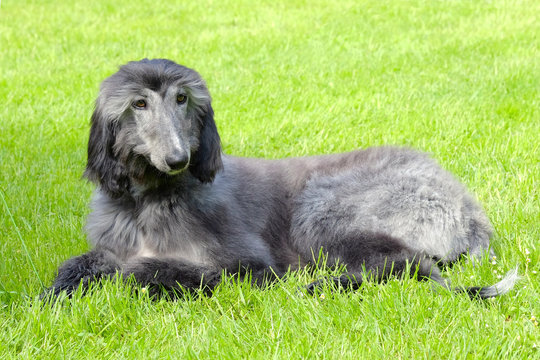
x=82, y=270
x=376, y=256
x=379, y=256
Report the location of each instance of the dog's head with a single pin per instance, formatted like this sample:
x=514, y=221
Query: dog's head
x=153, y=121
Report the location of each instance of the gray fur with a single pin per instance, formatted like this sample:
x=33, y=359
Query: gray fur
x=212, y=212
x=502, y=287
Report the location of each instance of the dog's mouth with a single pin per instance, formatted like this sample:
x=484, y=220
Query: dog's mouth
x=176, y=172
x=142, y=169
x=167, y=171
x=158, y=164
x=175, y=165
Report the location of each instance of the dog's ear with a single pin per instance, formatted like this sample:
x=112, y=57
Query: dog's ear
x=206, y=161
x=102, y=167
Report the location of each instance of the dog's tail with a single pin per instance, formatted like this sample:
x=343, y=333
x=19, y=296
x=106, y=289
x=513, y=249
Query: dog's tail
x=485, y=292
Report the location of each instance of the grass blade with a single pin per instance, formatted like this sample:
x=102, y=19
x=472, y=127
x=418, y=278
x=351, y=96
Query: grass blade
x=25, y=248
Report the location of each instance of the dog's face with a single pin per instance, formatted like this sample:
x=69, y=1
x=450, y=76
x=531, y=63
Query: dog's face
x=153, y=121
x=160, y=125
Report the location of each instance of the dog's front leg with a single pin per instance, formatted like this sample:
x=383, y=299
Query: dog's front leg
x=170, y=276
x=83, y=269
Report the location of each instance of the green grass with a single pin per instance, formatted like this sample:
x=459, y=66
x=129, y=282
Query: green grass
x=458, y=79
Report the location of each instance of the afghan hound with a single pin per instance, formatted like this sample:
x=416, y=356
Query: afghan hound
x=174, y=212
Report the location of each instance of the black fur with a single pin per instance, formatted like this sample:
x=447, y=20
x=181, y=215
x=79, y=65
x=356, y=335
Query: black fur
x=103, y=166
x=206, y=161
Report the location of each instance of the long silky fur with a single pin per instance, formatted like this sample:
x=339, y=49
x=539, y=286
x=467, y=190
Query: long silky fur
x=171, y=228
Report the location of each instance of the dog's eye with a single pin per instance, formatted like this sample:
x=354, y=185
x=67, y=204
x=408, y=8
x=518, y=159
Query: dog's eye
x=181, y=98
x=139, y=104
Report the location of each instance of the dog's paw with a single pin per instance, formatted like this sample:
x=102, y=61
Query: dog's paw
x=315, y=286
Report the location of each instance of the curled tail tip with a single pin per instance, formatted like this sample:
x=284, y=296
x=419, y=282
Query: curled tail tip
x=502, y=287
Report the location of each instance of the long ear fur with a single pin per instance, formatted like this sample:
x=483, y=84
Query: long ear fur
x=206, y=161
x=102, y=167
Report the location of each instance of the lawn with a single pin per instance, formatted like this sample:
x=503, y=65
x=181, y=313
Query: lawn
x=457, y=79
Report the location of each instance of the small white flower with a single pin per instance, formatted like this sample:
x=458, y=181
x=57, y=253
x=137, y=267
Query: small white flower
x=494, y=262
x=322, y=296
x=527, y=252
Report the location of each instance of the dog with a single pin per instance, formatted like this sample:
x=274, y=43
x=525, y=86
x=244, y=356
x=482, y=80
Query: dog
x=173, y=212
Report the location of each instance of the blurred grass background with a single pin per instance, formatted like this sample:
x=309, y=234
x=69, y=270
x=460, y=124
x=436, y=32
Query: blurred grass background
x=458, y=79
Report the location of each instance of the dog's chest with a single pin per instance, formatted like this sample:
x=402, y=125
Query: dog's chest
x=165, y=228
x=168, y=228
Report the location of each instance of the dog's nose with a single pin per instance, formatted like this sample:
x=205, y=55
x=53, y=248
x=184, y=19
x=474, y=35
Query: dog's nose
x=177, y=161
